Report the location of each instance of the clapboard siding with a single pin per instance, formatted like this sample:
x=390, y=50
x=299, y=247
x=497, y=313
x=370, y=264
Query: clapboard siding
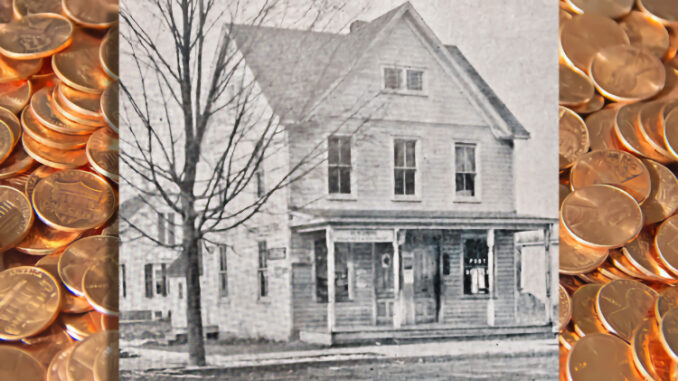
x=505, y=278
x=359, y=311
x=307, y=312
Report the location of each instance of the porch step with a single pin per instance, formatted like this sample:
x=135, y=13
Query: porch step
x=370, y=334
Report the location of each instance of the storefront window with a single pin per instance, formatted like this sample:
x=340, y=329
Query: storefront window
x=476, y=277
x=342, y=278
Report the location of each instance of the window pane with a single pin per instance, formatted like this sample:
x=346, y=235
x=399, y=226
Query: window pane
x=415, y=80
x=161, y=228
x=399, y=176
x=476, y=278
x=409, y=181
x=262, y=254
x=333, y=150
x=333, y=179
x=148, y=280
x=341, y=279
x=398, y=154
x=465, y=160
x=345, y=180
x=410, y=160
x=391, y=78
x=345, y=151
x=465, y=184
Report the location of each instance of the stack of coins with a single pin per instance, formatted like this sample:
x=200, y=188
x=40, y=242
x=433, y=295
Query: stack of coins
x=58, y=189
x=618, y=159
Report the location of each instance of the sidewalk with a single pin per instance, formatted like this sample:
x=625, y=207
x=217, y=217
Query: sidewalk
x=159, y=359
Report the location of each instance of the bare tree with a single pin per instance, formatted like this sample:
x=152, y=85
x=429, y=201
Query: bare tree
x=189, y=78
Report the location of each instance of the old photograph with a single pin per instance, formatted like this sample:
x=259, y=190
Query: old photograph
x=338, y=189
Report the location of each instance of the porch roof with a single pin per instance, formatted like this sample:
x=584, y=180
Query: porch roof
x=317, y=219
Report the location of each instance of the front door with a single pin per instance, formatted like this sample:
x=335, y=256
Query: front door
x=383, y=282
x=426, y=284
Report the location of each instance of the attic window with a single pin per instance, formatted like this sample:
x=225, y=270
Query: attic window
x=415, y=80
x=403, y=80
x=392, y=78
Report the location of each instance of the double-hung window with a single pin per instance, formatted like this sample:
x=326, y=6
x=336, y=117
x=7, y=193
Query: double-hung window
x=398, y=79
x=476, y=272
x=339, y=164
x=223, y=271
x=262, y=271
x=465, y=170
x=404, y=166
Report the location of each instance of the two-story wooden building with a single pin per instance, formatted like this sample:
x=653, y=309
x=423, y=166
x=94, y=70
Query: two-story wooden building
x=407, y=229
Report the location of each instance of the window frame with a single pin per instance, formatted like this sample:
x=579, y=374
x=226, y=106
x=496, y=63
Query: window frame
x=403, y=73
x=416, y=197
x=223, y=271
x=477, y=197
x=262, y=271
x=148, y=281
x=351, y=167
x=123, y=279
x=470, y=235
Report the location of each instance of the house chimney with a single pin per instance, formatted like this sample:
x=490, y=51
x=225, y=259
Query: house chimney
x=357, y=24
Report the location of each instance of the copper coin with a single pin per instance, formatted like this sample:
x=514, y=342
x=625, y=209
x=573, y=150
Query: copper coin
x=102, y=152
x=16, y=217
x=671, y=132
x=669, y=333
x=652, y=125
x=639, y=252
x=12, y=122
x=600, y=126
x=109, y=105
x=17, y=182
x=563, y=191
x=666, y=243
x=35, y=36
x=563, y=16
x=84, y=103
x=73, y=115
x=584, y=317
x=567, y=339
x=109, y=322
x=670, y=91
x=575, y=258
x=573, y=138
x=82, y=359
x=564, y=309
x=112, y=227
x=582, y=37
x=627, y=130
x=83, y=325
x=108, y=52
x=74, y=200
x=575, y=88
x=12, y=70
x=49, y=137
x=6, y=11
x=667, y=299
x=30, y=301
x=648, y=355
x=100, y=285
x=594, y=277
x=609, y=8
x=17, y=163
x=15, y=95
x=26, y=7
x=13, y=258
x=79, y=67
x=663, y=11
x=623, y=264
x=106, y=363
x=57, y=367
x=83, y=254
x=646, y=33
x=53, y=157
x=6, y=141
x=41, y=105
x=623, y=304
x=92, y=13
x=626, y=73
x=37, y=175
x=44, y=240
x=18, y=364
x=48, y=343
x=596, y=103
x=610, y=271
x=663, y=199
x=589, y=359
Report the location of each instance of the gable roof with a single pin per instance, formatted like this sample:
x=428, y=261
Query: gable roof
x=296, y=68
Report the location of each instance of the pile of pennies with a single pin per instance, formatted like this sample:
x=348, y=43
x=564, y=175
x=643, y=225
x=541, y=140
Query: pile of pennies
x=58, y=190
x=618, y=160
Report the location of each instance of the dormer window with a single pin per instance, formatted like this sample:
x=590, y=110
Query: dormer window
x=403, y=80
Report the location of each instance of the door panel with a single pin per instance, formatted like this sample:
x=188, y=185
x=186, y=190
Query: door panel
x=383, y=282
x=426, y=287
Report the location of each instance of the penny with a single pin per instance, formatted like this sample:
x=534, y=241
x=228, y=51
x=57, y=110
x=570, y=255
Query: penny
x=626, y=73
x=109, y=105
x=70, y=303
x=73, y=115
x=564, y=309
x=6, y=141
x=622, y=305
x=53, y=157
x=15, y=95
x=627, y=130
x=37, y=175
x=627, y=267
x=81, y=361
x=609, y=8
x=84, y=103
x=83, y=325
x=74, y=200
x=652, y=125
x=666, y=243
x=6, y=14
x=79, y=67
x=41, y=105
x=567, y=339
x=575, y=88
x=44, y=240
x=29, y=302
x=594, y=277
x=646, y=33
x=106, y=363
x=26, y=7
x=596, y=103
x=610, y=271
x=563, y=191
x=589, y=359
x=573, y=137
x=109, y=322
x=102, y=153
x=12, y=70
x=671, y=132
x=18, y=364
x=663, y=199
x=582, y=37
x=600, y=126
x=17, y=163
x=47, y=136
x=112, y=227
x=16, y=217
x=663, y=11
x=92, y=13
x=670, y=91
x=639, y=253
x=667, y=299
x=17, y=182
x=12, y=122
x=616, y=168
x=48, y=343
x=100, y=285
x=83, y=254
x=58, y=365
x=669, y=333
x=648, y=354
x=584, y=318
x=108, y=52
x=35, y=36
x=575, y=258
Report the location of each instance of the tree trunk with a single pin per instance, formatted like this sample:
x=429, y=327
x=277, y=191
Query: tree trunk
x=196, y=344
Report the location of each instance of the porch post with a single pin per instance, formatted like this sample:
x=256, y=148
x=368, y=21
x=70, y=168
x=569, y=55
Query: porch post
x=329, y=238
x=547, y=264
x=397, y=318
x=490, y=271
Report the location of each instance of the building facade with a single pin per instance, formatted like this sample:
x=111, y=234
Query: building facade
x=408, y=227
